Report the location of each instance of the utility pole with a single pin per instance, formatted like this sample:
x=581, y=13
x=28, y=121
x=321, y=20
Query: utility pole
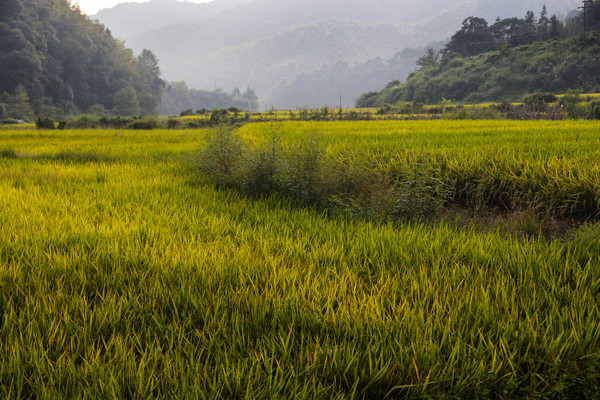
x=340, y=101
x=585, y=7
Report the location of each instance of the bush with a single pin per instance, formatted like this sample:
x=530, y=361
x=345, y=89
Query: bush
x=144, y=124
x=262, y=170
x=116, y=122
x=570, y=102
x=187, y=113
x=9, y=121
x=594, y=109
x=219, y=116
x=44, y=123
x=84, y=121
x=61, y=125
x=8, y=153
x=537, y=99
x=174, y=123
x=221, y=159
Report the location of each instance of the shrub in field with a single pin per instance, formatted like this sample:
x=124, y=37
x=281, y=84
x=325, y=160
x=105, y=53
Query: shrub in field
x=262, y=170
x=420, y=195
x=174, y=123
x=304, y=174
x=539, y=100
x=594, y=109
x=301, y=174
x=571, y=103
x=44, y=123
x=8, y=153
x=116, y=122
x=219, y=116
x=84, y=121
x=221, y=159
x=146, y=124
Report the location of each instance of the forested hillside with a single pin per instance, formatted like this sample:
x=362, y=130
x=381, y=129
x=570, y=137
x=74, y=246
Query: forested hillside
x=54, y=61
x=504, y=61
x=267, y=44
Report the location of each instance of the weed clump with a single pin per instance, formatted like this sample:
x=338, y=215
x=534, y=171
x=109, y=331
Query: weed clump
x=305, y=174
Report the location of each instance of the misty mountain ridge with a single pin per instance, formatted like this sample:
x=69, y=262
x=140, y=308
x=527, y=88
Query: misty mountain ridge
x=262, y=43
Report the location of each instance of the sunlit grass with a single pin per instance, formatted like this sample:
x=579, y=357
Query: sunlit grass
x=121, y=276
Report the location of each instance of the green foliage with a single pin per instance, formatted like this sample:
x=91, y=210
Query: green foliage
x=44, y=123
x=123, y=279
x=144, y=123
x=537, y=100
x=66, y=63
x=571, y=102
x=474, y=37
x=19, y=106
x=83, y=122
x=8, y=153
x=594, y=109
x=174, y=123
x=126, y=102
x=116, y=122
x=543, y=67
x=178, y=97
x=221, y=159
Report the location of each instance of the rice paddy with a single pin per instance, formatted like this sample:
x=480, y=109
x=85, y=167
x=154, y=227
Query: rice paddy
x=123, y=275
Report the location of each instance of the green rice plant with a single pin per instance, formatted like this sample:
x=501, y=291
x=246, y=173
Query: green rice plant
x=132, y=279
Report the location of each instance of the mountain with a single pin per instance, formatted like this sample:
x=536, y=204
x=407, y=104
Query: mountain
x=261, y=43
x=127, y=20
x=54, y=61
x=325, y=85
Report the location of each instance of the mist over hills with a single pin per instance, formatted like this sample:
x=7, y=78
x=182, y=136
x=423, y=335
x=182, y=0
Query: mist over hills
x=269, y=44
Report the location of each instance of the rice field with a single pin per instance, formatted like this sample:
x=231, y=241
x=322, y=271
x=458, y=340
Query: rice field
x=123, y=275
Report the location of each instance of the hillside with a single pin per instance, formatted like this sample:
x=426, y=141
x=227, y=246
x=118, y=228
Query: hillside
x=54, y=62
x=552, y=66
x=263, y=42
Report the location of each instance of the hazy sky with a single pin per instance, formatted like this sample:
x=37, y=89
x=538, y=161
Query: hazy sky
x=91, y=7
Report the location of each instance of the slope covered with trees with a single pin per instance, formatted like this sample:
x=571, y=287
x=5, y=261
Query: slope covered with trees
x=504, y=61
x=54, y=61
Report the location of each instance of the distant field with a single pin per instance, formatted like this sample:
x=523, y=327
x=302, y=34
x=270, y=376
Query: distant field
x=123, y=275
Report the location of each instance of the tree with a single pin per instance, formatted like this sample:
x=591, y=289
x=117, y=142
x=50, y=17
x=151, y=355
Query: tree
x=510, y=30
x=19, y=106
x=555, y=26
x=543, y=25
x=126, y=102
x=430, y=59
x=474, y=37
x=148, y=103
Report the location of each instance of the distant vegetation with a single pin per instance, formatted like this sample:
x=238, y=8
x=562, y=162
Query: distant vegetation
x=177, y=97
x=505, y=61
x=56, y=62
x=286, y=49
